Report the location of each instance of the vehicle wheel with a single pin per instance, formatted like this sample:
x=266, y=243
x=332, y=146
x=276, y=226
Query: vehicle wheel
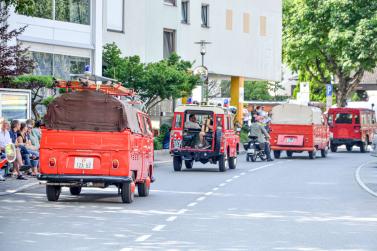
x=143, y=188
x=127, y=193
x=277, y=154
x=312, y=154
x=289, y=154
x=177, y=163
x=333, y=148
x=233, y=162
x=263, y=157
x=362, y=147
x=189, y=164
x=53, y=192
x=324, y=152
x=349, y=148
x=75, y=190
x=253, y=157
x=223, y=162
x=247, y=158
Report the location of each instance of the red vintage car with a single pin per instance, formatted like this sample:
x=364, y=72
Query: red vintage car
x=94, y=137
x=206, y=125
x=351, y=127
x=298, y=128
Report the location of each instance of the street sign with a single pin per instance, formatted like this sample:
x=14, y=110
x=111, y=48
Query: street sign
x=202, y=72
x=329, y=90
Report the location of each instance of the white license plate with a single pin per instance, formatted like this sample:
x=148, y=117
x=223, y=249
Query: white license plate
x=84, y=163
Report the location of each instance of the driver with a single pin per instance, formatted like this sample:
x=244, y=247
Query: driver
x=192, y=123
x=258, y=131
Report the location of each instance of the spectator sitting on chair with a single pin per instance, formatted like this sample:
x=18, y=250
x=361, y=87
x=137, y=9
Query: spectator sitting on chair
x=15, y=127
x=31, y=156
x=4, y=141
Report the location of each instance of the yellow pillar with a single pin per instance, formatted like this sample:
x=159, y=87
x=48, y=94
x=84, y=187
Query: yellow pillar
x=184, y=100
x=236, y=96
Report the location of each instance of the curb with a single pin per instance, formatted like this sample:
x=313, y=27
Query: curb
x=20, y=189
x=360, y=181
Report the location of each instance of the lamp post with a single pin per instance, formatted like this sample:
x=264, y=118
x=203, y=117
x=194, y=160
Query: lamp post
x=203, y=51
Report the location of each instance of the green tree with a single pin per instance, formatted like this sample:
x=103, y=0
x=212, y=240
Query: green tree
x=153, y=82
x=325, y=38
x=35, y=84
x=256, y=90
x=26, y=7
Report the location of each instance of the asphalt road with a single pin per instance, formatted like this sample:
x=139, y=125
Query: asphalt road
x=296, y=204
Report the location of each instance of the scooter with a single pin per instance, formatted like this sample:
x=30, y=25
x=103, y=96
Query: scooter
x=254, y=150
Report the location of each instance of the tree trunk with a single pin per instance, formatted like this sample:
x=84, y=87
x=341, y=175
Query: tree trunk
x=35, y=112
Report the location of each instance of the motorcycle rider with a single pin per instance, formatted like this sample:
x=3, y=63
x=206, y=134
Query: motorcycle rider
x=258, y=131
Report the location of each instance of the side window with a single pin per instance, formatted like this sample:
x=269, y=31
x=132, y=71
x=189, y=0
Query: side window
x=330, y=120
x=148, y=128
x=357, y=119
x=178, y=121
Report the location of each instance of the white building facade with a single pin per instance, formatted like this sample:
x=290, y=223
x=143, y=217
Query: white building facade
x=245, y=35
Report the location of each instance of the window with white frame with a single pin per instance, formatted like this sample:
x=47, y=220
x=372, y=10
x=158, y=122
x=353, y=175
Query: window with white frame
x=185, y=12
x=170, y=2
x=169, y=42
x=115, y=15
x=205, y=15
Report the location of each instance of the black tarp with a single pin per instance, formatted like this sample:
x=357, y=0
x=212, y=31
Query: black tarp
x=91, y=111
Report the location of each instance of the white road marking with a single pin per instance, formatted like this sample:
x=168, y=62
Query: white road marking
x=182, y=211
x=361, y=183
x=192, y=204
x=229, y=180
x=243, y=173
x=222, y=184
x=215, y=188
x=126, y=249
x=143, y=238
x=236, y=177
x=158, y=228
x=209, y=193
x=201, y=198
x=171, y=218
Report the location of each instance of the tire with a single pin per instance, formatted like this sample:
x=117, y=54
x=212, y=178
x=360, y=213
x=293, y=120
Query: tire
x=53, y=192
x=177, y=163
x=253, y=158
x=143, y=189
x=263, y=157
x=247, y=158
x=333, y=148
x=289, y=154
x=362, y=147
x=324, y=153
x=233, y=162
x=277, y=154
x=349, y=148
x=75, y=190
x=189, y=164
x=222, y=162
x=126, y=193
x=312, y=154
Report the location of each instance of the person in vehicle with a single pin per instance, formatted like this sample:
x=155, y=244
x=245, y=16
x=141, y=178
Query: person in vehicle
x=207, y=129
x=192, y=123
x=258, y=131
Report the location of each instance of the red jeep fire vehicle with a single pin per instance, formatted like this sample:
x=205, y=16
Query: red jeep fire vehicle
x=95, y=137
x=203, y=133
x=298, y=128
x=350, y=127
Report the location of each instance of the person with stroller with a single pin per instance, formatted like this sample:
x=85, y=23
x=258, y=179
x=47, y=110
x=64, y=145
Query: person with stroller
x=258, y=131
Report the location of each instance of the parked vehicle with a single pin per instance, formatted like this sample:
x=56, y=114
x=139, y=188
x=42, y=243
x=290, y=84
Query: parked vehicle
x=212, y=124
x=351, y=127
x=93, y=139
x=254, y=150
x=298, y=128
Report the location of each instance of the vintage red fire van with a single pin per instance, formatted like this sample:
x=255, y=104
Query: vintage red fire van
x=298, y=128
x=351, y=127
x=203, y=133
x=94, y=137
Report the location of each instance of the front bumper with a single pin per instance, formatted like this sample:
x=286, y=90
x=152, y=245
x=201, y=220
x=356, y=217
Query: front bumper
x=81, y=179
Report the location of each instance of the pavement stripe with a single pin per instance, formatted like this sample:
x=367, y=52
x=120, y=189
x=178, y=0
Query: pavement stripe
x=158, y=228
x=201, y=198
x=20, y=189
x=171, y=218
x=192, y=204
x=361, y=183
x=143, y=238
x=215, y=188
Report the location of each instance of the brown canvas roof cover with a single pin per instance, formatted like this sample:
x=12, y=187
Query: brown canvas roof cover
x=91, y=111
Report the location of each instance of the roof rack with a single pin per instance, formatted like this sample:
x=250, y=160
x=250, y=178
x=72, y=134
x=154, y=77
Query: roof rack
x=95, y=83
